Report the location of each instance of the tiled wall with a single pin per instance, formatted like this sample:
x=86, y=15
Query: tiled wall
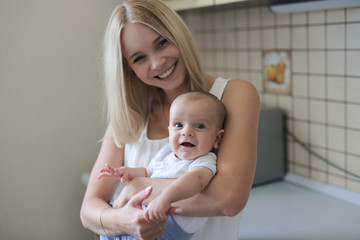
x=323, y=110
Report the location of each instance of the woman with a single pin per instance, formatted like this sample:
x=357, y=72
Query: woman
x=150, y=59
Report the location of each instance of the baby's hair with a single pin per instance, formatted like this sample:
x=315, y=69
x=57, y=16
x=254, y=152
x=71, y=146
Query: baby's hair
x=197, y=95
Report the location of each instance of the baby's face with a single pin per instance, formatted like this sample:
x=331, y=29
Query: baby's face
x=194, y=128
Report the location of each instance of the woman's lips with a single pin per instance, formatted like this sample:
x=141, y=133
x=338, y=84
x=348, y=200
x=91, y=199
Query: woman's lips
x=167, y=73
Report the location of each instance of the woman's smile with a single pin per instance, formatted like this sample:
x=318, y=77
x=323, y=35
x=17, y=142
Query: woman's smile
x=168, y=73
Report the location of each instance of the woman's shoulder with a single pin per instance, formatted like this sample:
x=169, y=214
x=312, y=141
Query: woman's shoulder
x=241, y=90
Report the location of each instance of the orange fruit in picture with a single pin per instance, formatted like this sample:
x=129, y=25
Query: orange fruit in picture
x=271, y=72
x=281, y=67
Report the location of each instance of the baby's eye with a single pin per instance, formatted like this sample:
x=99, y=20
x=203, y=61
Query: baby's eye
x=200, y=126
x=179, y=125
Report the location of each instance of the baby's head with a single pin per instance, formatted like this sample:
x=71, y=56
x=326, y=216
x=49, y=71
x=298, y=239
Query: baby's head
x=195, y=128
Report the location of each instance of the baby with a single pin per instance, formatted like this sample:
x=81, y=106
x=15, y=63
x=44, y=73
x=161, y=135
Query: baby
x=195, y=129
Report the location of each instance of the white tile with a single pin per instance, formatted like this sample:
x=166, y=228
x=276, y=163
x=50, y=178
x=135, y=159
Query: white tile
x=242, y=40
x=255, y=60
x=301, y=131
x=270, y=100
x=268, y=40
x=336, y=114
x=317, y=62
x=254, y=17
x=301, y=109
x=353, y=165
x=352, y=90
x=282, y=19
x=318, y=134
x=353, y=63
x=317, y=37
x=353, y=14
x=299, y=18
x=256, y=79
x=317, y=87
x=299, y=38
x=336, y=88
x=300, y=85
x=283, y=38
x=336, y=180
x=335, y=36
x=241, y=16
x=302, y=156
x=316, y=17
x=316, y=162
x=218, y=20
x=300, y=61
x=255, y=39
x=219, y=40
x=243, y=60
x=335, y=16
x=230, y=18
x=336, y=62
x=338, y=159
x=230, y=40
x=231, y=60
x=353, y=140
x=336, y=138
x=268, y=17
x=353, y=116
x=285, y=103
x=317, y=111
x=352, y=185
x=353, y=36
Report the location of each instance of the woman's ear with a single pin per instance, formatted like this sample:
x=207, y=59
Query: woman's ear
x=219, y=136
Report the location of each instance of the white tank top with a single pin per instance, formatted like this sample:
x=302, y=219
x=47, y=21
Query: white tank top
x=140, y=153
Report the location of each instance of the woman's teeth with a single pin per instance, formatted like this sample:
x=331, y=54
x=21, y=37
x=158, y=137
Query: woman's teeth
x=167, y=73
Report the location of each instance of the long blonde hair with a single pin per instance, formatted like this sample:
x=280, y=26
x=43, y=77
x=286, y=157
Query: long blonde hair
x=129, y=100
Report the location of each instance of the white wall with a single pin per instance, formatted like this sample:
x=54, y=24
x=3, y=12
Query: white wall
x=50, y=113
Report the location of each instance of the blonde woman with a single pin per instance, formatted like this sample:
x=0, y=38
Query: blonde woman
x=149, y=59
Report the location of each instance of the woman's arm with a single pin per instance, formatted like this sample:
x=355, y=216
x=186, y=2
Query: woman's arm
x=128, y=219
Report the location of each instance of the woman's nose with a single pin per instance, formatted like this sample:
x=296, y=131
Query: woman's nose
x=157, y=61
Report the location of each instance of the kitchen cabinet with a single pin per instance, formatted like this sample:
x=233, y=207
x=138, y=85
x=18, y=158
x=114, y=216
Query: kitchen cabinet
x=189, y=4
x=217, y=2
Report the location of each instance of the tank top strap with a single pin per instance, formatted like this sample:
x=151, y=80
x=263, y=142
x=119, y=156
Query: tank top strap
x=218, y=87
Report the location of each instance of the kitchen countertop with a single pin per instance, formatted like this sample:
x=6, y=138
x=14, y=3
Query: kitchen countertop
x=284, y=210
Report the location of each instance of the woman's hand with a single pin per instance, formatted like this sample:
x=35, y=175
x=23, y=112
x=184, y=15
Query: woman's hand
x=141, y=228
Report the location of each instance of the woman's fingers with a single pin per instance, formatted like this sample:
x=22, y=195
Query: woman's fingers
x=137, y=199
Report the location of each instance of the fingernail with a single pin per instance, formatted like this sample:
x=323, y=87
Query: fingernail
x=148, y=189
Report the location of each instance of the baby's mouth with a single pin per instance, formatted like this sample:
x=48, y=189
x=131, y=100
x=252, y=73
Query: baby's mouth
x=187, y=144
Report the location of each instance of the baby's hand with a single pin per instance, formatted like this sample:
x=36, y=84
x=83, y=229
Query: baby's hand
x=157, y=210
x=116, y=173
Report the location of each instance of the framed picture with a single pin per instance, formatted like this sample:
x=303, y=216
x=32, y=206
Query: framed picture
x=277, y=71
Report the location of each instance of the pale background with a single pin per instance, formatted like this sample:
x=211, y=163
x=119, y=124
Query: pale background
x=50, y=113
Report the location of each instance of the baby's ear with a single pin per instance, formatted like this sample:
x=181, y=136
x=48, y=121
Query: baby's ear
x=219, y=136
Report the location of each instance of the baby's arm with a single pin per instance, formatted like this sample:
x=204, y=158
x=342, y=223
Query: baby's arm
x=185, y=186
x=124, y=174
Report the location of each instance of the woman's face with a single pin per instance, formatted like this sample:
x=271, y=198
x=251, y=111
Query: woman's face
x=152, y=57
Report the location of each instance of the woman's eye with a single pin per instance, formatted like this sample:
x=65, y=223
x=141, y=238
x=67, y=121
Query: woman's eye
x=139, y=58
x=163, y=43
x=178, y=125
